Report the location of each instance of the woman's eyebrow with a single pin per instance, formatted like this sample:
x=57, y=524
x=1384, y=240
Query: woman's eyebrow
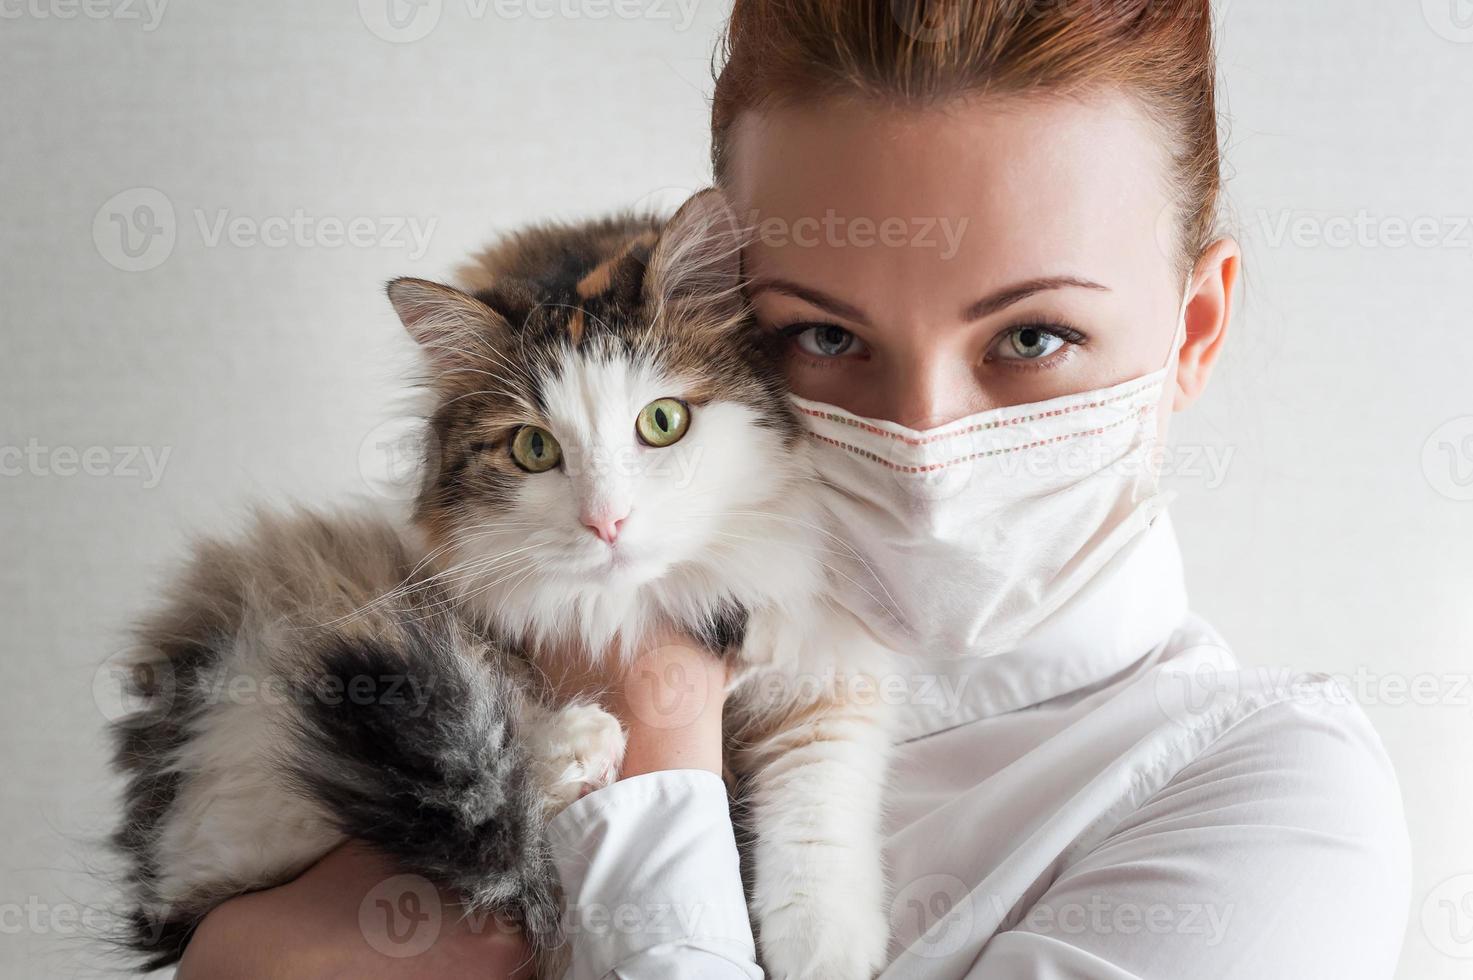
x=1008, y=295
x=813, y=297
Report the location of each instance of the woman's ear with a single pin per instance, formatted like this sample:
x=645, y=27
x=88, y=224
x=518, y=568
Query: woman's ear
x=1209, y=310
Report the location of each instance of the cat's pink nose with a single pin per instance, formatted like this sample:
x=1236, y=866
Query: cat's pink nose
x=605, y=524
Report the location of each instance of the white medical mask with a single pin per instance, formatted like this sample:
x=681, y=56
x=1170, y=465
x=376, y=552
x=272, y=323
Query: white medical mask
x=959, y=540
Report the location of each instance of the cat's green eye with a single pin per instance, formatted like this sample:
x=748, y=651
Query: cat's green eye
x=535, y=450
x=662, y=422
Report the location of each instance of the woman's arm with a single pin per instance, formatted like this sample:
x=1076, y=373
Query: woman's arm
x=352, y=915
x=1279, y=853
x=625, y=916
x=649, y=867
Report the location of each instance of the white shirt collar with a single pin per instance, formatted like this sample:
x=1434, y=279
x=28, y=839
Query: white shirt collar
x=1128, y=609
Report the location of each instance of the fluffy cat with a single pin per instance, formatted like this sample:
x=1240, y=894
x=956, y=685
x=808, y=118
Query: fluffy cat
x=614, y=453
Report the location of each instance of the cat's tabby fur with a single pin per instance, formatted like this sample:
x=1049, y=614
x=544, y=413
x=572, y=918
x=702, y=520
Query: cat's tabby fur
x=335, y=675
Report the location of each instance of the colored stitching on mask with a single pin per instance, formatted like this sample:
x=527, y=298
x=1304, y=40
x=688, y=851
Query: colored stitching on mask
x=931, y=468
x=857, y=424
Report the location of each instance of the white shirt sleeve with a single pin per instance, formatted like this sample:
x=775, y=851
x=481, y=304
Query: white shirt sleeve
x=1280, y=852
x=652, y=881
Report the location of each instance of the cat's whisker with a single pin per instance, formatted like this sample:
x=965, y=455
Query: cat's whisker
x=828, y=567
x=458, y=599
x=807, y=548
x=475, y=532
x=474, y=394
x=588, y=313
x=451, y=574
x=847, y=551
x=470, y=370
x=848, y=548
x=803, y=548
x=476, y=567
x=489, y=354
x=533, y=564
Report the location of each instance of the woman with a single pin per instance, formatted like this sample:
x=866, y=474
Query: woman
x=964, y=211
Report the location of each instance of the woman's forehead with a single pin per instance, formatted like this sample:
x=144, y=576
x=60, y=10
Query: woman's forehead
x=1001, y=189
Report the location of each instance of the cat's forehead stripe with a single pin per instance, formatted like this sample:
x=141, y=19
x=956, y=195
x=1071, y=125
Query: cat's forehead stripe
x=598, y=281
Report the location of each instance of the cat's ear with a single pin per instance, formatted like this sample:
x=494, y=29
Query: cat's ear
x=696, y=266
x=449, y=324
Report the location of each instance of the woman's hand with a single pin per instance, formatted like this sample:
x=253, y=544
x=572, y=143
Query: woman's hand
x=670, y=701
x=354, y=916
x=351, y=915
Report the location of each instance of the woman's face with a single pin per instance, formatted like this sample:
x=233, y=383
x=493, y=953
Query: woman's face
x=925, y=265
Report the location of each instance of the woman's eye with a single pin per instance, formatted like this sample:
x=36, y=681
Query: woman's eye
x=1029, y=344
x=663, y=422
x=825, y=340
x=535, y=450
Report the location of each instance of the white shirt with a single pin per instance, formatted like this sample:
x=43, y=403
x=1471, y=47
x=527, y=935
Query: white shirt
x=1113, y=799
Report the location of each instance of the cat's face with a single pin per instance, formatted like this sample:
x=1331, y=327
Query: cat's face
x=612, y=438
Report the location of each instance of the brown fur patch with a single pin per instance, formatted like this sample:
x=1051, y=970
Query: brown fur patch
x=597, y=282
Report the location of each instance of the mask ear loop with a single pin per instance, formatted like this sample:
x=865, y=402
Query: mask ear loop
x=1179, y=333
x=1178, y=338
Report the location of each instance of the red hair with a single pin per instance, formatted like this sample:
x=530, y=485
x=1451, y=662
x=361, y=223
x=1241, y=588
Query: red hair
x=915, y=52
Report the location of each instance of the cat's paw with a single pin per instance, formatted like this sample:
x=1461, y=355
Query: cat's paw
x=577, y=750
x=808, y=939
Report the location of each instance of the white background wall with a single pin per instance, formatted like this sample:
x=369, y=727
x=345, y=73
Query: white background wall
x=1339, y=540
